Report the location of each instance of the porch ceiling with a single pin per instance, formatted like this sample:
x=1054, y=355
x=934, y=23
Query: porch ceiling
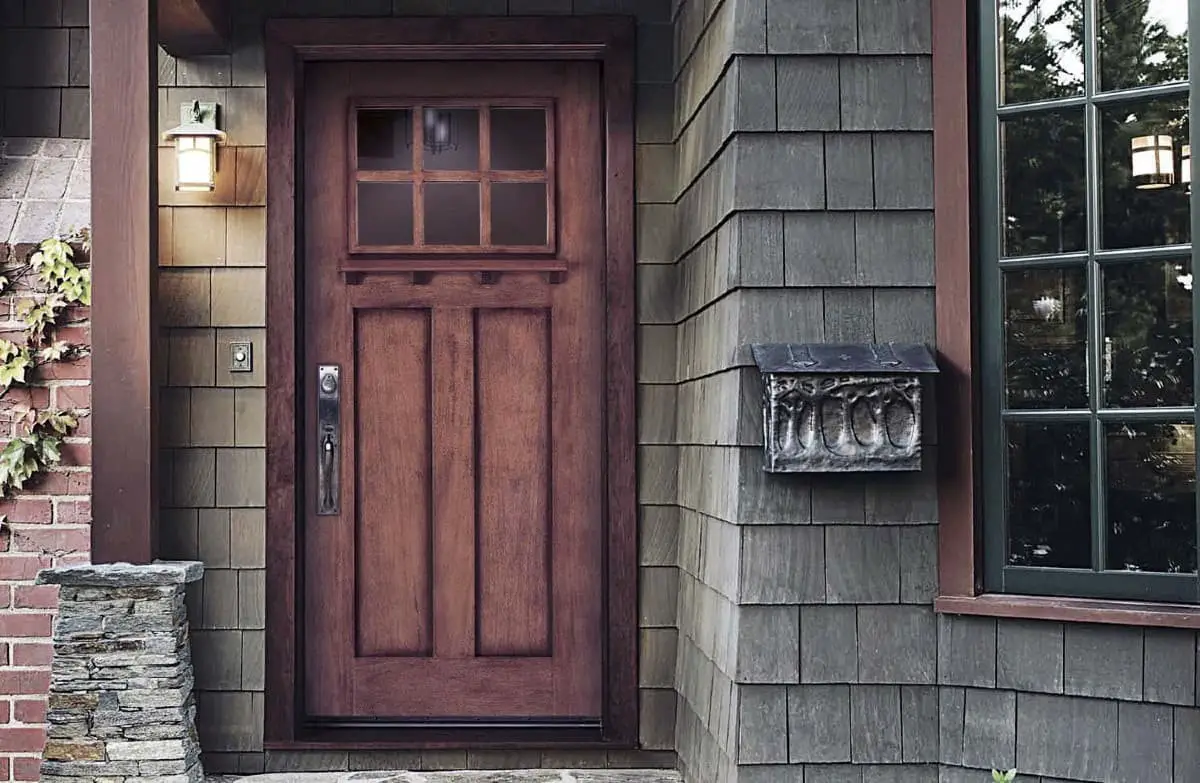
x=187, y=28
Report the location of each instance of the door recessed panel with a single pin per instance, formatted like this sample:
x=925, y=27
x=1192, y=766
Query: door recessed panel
x=392, y=552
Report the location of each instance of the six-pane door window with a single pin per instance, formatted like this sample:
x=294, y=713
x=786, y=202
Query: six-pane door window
x=1086, y=281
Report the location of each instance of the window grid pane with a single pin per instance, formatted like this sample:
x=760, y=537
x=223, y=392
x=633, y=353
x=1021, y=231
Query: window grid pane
x=453, y=145
x=1003, y=87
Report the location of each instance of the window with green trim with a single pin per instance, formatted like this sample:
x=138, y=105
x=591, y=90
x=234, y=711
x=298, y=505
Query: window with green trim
x=1089, y=323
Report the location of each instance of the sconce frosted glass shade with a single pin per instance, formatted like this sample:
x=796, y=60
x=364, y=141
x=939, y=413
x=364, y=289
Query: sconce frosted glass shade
x=1153, y=162
x=196, y=164
x=1185, y=165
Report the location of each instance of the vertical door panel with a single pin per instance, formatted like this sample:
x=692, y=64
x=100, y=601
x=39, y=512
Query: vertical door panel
x=514, y=482
x=394, y=577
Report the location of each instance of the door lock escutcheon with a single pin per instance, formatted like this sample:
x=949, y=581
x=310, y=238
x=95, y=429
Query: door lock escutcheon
x=329, y=436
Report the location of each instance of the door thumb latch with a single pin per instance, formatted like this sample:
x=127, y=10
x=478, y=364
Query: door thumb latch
x=329, y=422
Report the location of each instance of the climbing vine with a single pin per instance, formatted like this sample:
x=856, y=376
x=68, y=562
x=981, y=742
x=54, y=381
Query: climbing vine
x=46, y=285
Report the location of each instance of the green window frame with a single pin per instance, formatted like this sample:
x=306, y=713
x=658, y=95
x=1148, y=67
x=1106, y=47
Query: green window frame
x=1087, y=381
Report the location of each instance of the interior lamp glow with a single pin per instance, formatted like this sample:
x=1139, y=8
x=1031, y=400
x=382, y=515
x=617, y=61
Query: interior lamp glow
x=1153, y=162
x=1185, y=166
x=196, y=141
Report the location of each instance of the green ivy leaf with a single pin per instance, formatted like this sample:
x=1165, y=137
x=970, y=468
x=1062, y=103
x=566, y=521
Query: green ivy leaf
x=55, y=351
x=15, y=369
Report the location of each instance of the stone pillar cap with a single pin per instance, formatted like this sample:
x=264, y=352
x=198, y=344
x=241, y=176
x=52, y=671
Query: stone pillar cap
x=156, y=574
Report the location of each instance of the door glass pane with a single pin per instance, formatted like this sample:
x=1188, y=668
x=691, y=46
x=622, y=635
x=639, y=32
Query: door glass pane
x=1042, y=173
x=518, y=139
x=1049, y=506
x=1142, y=42
x=452, y=213
x=519, y=213
x=1146, y=201
x=1151, y=491
x=1147, y=351
x=1041, y=51
x=1045, y=338
x=384, y=140
x=385, y=213
x=451, y=139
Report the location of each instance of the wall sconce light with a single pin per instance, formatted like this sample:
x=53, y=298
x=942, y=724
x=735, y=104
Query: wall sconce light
x=1185, y=166
x=196, y=141
x=1153, y=162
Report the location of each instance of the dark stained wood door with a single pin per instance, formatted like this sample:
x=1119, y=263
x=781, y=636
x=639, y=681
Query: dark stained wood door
x=454, y=275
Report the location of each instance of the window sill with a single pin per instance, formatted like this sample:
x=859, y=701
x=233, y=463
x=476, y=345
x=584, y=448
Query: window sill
x=1072, y=610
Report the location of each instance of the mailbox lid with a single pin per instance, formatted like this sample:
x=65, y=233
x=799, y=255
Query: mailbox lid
x=831, y=358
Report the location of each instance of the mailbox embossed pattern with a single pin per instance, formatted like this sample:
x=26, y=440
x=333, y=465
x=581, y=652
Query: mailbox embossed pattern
x=837, y=408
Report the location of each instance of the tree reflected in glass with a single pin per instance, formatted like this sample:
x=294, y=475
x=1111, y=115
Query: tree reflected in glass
x=1151, y=497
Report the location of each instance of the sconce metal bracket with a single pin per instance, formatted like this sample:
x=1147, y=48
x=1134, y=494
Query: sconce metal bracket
x=842, y=407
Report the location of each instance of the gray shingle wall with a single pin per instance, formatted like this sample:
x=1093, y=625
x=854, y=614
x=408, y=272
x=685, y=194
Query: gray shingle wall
x=44, y=70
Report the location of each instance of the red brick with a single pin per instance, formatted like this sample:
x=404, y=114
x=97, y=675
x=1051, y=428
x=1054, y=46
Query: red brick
x=3, y=653
x=52, y=539
x=4, y=768
x=75, y=335
x=16, y=682
x=73, y=512
x=77, y=454
x=28, y=511
x=35, y=596
x=77, y=558
x=73, y=397
x=62, y=482
x=26, y=769
x=22, y=740
x=27, y=396
x=5, y=712
x=30, y=710
x=6, y=592
x=22, y=566
x=78, y=370
x=25, y=625
x=32, y=654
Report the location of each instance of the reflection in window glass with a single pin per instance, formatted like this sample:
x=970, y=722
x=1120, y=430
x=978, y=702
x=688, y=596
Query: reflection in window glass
x=384, y=140
x=1049, y=505
x=385, y=213
x=1042, y=49
x=518, y=139
x=1145, y=200
x=452, y=213
x=451, y=139
x=1151, y=497
x=1045, y=338
x=1147, y=351
x=1044, y=194
x=519, y=213
x=1142, y=42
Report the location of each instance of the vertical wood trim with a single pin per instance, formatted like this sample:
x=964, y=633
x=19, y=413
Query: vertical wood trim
x=124, y=238
x=953, y=247
x=454, y=571
x=621, y=724
x=283, y=416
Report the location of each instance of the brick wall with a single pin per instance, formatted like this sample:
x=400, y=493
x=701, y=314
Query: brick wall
x=43, y=192
x=44, y=68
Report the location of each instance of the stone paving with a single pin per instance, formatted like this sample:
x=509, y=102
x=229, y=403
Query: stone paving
x=465, y=776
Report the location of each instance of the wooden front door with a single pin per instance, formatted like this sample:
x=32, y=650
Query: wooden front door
x=453, y=332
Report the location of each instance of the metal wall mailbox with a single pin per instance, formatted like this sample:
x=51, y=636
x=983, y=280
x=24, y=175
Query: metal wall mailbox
x=840, y=408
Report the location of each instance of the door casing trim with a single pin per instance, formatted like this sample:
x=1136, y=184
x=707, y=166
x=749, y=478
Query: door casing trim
x=290, y=43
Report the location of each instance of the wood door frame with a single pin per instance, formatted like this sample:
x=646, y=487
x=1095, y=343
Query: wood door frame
x=290, y=44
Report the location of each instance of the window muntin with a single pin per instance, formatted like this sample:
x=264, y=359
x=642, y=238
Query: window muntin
x=465, y=178
x=1088, y=317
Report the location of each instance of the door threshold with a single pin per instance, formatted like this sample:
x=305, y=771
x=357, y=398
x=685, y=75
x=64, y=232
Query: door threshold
x=464, y=776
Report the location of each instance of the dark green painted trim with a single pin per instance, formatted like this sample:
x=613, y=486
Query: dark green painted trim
x=998, y=576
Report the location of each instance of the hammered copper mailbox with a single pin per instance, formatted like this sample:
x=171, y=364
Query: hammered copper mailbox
x=838, y=408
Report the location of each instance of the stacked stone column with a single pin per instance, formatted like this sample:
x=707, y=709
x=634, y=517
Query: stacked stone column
x=121, y=704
